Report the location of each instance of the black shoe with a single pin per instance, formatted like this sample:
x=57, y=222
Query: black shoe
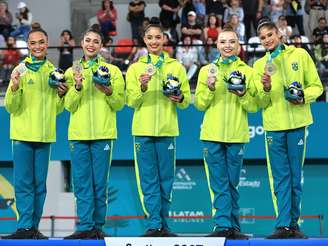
x=83, y=235
x=39, y=235
x=281, y=233
x=167, y=233
x=21, y=234
x=238, y=235
x=153, y=233
x=100, y=234
x=227, y=233
x=297, y=233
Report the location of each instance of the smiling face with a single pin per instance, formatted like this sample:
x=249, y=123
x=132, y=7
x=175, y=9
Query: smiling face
x=269, y=37
x=38, y=43
x=91, y=44
x=228, y=44
x=154, y=40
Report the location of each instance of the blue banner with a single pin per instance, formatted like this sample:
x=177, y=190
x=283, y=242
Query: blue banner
x=189, y=123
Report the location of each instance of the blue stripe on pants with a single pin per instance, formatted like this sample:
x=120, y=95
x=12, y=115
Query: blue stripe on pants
x=285, y=156
x=224, y=162
x=155, y=160
x=31, y=160
x=90, y=168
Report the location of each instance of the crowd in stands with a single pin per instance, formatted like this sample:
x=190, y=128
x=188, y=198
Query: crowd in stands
x=191, y=29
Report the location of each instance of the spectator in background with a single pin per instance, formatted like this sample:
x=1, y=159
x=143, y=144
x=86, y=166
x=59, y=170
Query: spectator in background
x=107, y=17
x=277, y=8
x=321, y=55
x=24, y=16
x=168, y=45
x=136, y=16
x=145, y=22
x=192, y=29
x=9, y=59
x=237, y=26
x=213, y=27
x=297, y=41
x=317, y=9
x=266, y=10
x=169, y=15
x=187, y=6
x=283, y=28
x=216, y=7
x=320, y=30
x=66, y=44
x=235, y=9
x=6, y=20
x=107, y=53
x=294, y=14
x=209, y=52
x=187, y=55
x=321, y=59
x=200, y=9
x=253, y=12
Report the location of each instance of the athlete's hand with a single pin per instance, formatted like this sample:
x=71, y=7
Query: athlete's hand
x=297, y=102
x=108, y=90
x=211, y=83
x=266, y=81
x=15, y=79
x=144, y=79
x=238, y=93
x=62, y=89
x=78, y=78
x=176, y=99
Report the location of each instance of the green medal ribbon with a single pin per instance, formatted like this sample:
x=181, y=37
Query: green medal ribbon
x=276, y=52
x=33, y=64
x=159, y=62
x=225, y=60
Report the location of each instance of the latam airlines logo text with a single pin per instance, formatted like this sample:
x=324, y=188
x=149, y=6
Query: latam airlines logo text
x=182, y=216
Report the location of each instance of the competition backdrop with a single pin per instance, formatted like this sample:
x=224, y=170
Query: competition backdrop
x=190, y=196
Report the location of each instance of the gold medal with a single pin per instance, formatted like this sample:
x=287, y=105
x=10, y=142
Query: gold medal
x=212, y=70
x=270, y=69
x=77, y=67
x=150, y=69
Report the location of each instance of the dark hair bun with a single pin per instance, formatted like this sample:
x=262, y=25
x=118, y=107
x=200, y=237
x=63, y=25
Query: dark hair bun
x=95, y=28
x=227, y=27
x=35, y=26
x=154, y=21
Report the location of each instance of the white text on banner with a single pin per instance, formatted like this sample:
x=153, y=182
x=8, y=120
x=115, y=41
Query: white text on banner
x=162, y=241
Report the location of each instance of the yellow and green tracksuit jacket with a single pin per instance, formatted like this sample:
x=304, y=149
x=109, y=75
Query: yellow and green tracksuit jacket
x=155, y=114
x=93, y=113
x=293, y=64
x=34, y=106
x=225, y=118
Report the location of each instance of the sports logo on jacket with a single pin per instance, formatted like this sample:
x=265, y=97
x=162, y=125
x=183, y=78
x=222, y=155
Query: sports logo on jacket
x=137, y=146
x=269, y=139
x=295, y=66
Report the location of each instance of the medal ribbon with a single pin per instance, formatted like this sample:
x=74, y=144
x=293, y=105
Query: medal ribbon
x=159, y=62
x=275, y=53
x=225, y=60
